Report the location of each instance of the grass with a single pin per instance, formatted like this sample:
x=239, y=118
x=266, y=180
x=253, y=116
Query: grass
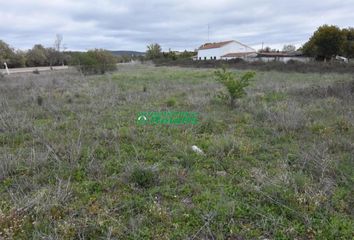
x=75, y=165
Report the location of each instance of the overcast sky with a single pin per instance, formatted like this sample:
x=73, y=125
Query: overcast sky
x=175, y=24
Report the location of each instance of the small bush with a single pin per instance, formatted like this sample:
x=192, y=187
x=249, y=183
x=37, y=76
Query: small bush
x=143, y=177
x=235, y=86
x=36, y=71
x=286, y=116
x=171, y=102
x=343, y=125
x=319, y=163
x=212, y=126
x=39, y=100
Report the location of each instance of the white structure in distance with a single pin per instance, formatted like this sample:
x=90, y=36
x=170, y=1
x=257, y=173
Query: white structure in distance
x=225, y=51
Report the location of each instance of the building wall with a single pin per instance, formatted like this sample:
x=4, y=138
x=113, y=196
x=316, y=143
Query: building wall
x=246, y=58
x=249, y=57
x=216, y=53
x=207, y=54
x=285, y=59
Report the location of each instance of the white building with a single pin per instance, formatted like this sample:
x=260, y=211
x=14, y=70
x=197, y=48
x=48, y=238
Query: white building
x=284, y=57
x=225, y=51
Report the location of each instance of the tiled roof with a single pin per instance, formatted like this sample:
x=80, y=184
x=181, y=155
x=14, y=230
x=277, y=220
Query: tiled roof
x=214, y=45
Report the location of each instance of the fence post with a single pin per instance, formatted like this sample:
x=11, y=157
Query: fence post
x=7, y=70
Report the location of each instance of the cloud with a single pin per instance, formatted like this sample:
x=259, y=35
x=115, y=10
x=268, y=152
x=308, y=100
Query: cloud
x=176, y=24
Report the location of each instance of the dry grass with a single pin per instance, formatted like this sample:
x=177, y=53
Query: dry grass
x=75, y=165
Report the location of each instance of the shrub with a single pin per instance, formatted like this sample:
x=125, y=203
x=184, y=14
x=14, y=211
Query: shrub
x=143, y=177
x=212, y=126
x=39, y=100
x=37, y=56
x=286, y=116
x=235, y=85
x=343, y=125
x=96, y=61
x=171, y=102
x=17, y=59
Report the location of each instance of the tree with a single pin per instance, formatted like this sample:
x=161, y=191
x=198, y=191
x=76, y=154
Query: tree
x=37, y=56
x=153, y=51
x=58, y=42
x=52, y=56
x=18, y=59
x=348, y=48
x=12, y=58
x=267, y=49
x=57, y=54
x=105, y=60
x=289, y=48
x=187, y=54
x=325, y=43
x=170, y=54
x=94, y=61
x=6, y=53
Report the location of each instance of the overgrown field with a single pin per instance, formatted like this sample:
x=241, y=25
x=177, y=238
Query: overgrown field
x=74, y=163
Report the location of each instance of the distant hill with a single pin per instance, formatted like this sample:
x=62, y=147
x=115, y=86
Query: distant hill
x=127, y=53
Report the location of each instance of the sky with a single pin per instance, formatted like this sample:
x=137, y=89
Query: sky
x=174, y=24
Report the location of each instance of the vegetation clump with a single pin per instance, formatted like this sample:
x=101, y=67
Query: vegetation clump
x=143, y=177
x=153, y=51
x=236, y=86
x=97, y=61
x=171, y=102
x=39, y=100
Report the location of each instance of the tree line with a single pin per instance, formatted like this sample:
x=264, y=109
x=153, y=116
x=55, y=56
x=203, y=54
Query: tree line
x=35, y=57
x=96, y=61
x=154, y=52
x=53, y=56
